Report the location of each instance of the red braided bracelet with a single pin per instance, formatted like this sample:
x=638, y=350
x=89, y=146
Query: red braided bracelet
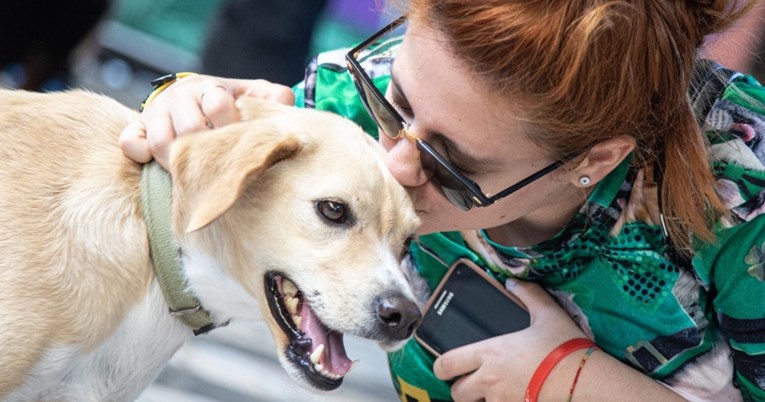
x=549, y=362
x=579, y=371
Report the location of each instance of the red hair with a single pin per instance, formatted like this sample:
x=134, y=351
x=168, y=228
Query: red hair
x=587, y=70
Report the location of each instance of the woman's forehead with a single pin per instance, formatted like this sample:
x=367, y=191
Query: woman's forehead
x=447, y=98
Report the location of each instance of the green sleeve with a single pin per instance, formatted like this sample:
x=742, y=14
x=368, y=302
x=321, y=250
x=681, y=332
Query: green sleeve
x=328, y=86
x=733, y=272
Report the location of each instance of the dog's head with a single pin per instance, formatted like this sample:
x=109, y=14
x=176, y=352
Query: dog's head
x=292, y=212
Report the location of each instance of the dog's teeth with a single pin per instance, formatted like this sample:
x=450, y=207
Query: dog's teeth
x=288, y=288
x=316, y=355
x=353, y=365
x=292, y=304
x=327, y=374
x=320, y=367
x=297, y=320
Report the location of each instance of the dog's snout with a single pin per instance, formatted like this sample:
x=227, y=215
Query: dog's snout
x=398, y=316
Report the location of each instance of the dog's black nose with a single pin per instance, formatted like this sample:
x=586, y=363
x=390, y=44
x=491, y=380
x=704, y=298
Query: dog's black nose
x=399, y=316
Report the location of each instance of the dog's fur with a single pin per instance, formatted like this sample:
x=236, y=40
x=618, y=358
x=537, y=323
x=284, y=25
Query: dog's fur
x=82, y=317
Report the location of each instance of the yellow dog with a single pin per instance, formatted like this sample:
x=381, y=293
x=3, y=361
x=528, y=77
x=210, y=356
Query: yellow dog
x=288, y=216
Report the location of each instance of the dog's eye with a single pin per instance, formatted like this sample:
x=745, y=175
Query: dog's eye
x=333, y=211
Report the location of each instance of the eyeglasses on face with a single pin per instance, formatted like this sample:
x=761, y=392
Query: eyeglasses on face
x=460, y=190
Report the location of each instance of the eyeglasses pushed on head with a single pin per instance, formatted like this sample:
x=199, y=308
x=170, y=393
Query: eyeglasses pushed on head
x=460, y=190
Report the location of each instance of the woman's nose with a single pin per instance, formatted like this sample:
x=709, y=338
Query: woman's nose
x=403, y=161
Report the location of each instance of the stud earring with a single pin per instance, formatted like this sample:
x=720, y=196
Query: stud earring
x=584, y=180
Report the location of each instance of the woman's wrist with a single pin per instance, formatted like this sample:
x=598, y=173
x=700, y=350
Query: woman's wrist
x=579, y=372
x=553, y=360
x=603, y=378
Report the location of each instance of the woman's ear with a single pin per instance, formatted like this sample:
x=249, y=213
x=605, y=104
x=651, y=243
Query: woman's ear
x=601, y=160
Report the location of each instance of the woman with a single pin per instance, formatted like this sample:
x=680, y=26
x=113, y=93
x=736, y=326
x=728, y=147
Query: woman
x=575, y=116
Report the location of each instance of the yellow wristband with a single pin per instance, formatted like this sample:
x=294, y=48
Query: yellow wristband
x=160, y=84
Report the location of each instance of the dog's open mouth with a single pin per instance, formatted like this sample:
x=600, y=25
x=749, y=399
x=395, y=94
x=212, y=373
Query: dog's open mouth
x=312, y=347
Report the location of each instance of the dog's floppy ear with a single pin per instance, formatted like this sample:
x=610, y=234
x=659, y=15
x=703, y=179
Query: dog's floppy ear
x=210, y=170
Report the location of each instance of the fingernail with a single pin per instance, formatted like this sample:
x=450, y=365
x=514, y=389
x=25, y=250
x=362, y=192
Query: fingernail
x=511, y=284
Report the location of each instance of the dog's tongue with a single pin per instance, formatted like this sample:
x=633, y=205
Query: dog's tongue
x=333, y=358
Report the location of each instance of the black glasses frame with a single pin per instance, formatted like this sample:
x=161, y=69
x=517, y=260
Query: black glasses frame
x=468, y=193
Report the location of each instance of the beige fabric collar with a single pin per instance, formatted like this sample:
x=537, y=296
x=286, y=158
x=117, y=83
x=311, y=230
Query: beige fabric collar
x=156, y=203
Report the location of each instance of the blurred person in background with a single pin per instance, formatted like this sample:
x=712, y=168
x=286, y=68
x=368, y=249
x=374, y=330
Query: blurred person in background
x=274, y=40
x=261, y=38
x=38, y=37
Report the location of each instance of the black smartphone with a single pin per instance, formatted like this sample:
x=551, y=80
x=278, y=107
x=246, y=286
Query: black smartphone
x=468, y=306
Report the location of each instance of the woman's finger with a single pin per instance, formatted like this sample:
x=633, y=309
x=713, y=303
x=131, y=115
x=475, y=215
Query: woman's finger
x=185, y=117
x=218, y=106
x=263, y=89
x=457, y=362
x=465, y=389
x=132, y=142
x=281, y=94
x=160, y=138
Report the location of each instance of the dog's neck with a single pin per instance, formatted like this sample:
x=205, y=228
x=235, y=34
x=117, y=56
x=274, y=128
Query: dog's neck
x=156, y=204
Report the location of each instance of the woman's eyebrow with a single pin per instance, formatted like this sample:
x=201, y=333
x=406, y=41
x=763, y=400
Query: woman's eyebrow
x=456, y=153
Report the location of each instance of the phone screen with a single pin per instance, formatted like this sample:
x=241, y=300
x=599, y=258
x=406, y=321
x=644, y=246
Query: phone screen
x=468, y=306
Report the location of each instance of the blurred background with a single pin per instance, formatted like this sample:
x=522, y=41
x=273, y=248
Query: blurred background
x=116, y=47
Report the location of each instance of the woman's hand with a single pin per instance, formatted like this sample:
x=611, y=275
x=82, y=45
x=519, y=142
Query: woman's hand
x=191, y=104
x=499, y=369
